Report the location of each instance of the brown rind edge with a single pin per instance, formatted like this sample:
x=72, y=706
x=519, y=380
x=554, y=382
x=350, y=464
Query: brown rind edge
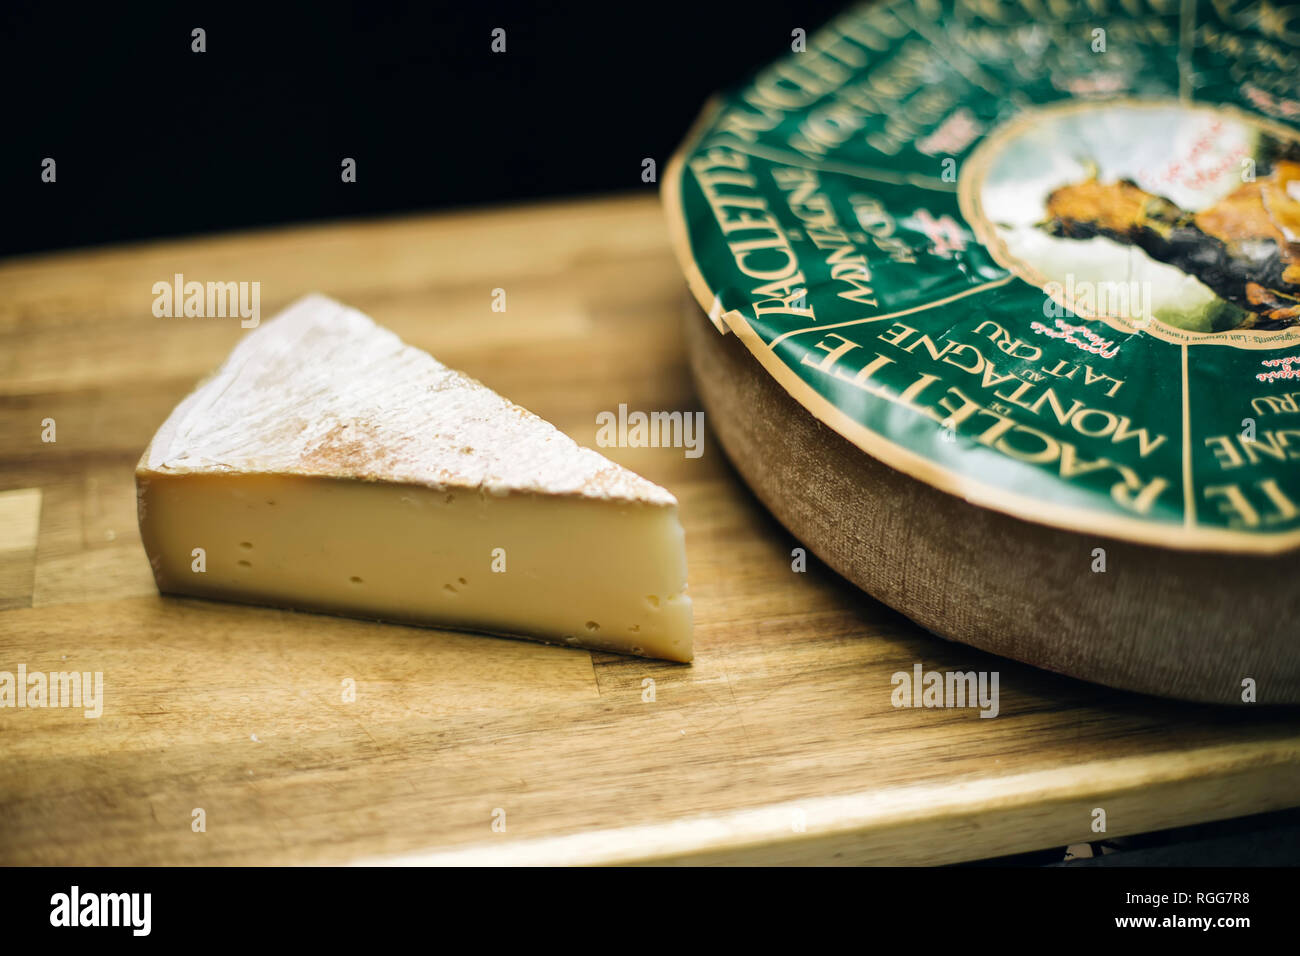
x=1190, y=625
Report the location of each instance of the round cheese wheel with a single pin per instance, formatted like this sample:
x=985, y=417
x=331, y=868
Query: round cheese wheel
x=1184, y=624
x=1002, y=319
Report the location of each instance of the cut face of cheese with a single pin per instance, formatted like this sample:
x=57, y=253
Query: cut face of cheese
x=326, y=466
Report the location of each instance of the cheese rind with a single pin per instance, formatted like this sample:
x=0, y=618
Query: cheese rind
x=322, y=390
x=326, y=466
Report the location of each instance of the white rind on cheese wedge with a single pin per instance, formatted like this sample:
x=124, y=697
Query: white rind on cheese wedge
x=328, y=466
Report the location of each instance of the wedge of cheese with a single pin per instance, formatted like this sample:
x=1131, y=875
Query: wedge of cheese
x=326, y=466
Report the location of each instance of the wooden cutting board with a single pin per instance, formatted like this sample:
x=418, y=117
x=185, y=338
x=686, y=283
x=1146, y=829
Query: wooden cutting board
x=778, y=745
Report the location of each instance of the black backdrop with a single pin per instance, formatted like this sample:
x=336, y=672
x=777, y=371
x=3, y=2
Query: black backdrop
x=151, y=139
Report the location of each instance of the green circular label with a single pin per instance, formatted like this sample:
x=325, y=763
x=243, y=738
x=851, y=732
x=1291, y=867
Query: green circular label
x=1042, y=255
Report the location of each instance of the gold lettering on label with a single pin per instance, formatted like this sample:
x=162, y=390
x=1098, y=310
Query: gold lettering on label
x=1276, y=404
x=730, y=224
x=1014, y=397
x=794, y=303
x=992, y=378
x=1146, y=444
x=1108, y=422
x=1089, y=376
x=833, y=352
x=896, y=334
x=1058, y=370
x=1267, y=443
x=1225, y=452
x=1144, y=499
x=910, y=394
x=1048, y=453
x=1016, y=348
x=936, y=353
x=836, y=46
x=1233, y=503
x=1072, y=466
x=957, y=414
x=870, y=369
x=961, y=349
x=785, y=86
x=1000, y=427
x=1062, y=416
x=711, y=166
x=1284, y=507
x=745, y=248
x=1290, y=439
x=788, y=288
x=746, y=126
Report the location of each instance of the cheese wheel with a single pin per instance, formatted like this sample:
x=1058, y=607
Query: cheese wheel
x=1183, y=624
x=1001, y=317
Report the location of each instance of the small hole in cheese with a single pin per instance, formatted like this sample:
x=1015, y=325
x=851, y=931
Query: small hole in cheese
x=593, y=626
x=355, y=579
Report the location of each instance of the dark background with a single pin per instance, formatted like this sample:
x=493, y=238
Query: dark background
x=151, y=139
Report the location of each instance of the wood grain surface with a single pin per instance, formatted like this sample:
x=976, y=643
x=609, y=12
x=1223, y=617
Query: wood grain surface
x=779, y=744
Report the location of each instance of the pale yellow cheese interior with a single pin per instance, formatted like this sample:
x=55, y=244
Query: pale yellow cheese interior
x=599, y=573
